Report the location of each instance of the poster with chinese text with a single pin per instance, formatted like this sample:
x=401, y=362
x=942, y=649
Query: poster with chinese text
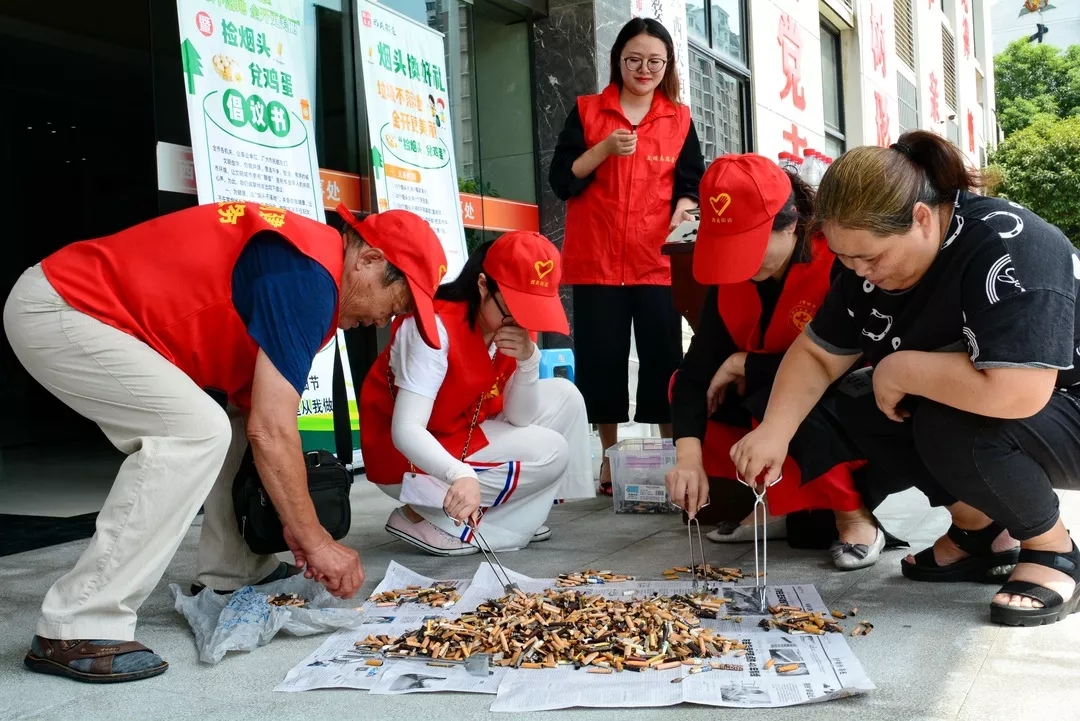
x=245, y=73
x=408, y=109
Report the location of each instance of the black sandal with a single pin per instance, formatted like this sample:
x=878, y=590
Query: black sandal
x=1054, y=607
x=980, y=566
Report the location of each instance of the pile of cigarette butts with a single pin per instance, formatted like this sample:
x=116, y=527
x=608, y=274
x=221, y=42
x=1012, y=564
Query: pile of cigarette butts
x=798, y=621
x=558, y=628
x=291, y=600
x=437, y=596
x=703, y=570
x=584, y=578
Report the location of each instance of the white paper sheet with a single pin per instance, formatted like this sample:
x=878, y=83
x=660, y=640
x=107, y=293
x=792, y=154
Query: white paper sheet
x=397, y=577
x=418, y=677
x=826, y=666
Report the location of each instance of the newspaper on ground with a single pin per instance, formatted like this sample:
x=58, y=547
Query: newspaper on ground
x=803, y=668
x=418, y=677
x=398, y=577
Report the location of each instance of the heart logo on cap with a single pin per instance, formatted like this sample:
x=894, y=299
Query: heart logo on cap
x=543, y=267
x=720, y=203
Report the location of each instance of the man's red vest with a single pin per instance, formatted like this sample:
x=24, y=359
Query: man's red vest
x=617, y=225
x=471, y=374
x=168, y=282
x=804, y=291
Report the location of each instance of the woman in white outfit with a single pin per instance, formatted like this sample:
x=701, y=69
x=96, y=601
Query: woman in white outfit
x=471, y=414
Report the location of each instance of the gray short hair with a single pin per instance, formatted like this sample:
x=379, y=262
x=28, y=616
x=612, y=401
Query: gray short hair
x=393, y=274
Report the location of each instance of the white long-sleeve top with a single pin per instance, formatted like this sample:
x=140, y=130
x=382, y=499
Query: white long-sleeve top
x=419, y=371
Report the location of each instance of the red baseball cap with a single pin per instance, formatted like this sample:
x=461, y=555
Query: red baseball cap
x=528, y=269
x=740, y=197
x=408, y=243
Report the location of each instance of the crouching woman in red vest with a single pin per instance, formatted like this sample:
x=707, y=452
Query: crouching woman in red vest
x=474, y=414
x=768, y=278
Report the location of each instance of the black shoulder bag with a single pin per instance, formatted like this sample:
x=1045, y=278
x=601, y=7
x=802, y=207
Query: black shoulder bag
x=329, y=482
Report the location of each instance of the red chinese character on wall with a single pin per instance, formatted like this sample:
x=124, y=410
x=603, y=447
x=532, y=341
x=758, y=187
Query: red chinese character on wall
x=798, y=143
x=791, y=52
x=935, y=111
x=971, y=131
x=964, y=4
x=881, y=119
x=877, y=38
x=967, y=38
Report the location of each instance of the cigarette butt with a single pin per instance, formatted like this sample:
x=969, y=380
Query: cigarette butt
x=598, y=669
x=385, y=604
x=770, y=663
x=532, y=665
x=668, y=665
x=839, y=614
x=373, y=662
x=697, y=669
x=787, y=668
x=854, y=611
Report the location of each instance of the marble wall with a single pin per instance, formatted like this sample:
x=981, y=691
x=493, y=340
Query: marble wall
x=570, y=58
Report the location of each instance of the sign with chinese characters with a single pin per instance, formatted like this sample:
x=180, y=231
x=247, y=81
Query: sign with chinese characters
x=881, y=110
x=408, y=112
x=245, y=75
x=786, y=44
x=672, y=15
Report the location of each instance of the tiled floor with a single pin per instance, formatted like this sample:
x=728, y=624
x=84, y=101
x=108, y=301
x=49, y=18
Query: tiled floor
x=933, y=655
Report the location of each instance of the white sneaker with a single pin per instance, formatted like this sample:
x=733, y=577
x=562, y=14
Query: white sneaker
x=852, y=556
x=427, y=536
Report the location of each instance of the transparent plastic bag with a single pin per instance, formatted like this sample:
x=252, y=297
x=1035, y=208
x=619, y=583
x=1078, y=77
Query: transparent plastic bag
x=245, y=620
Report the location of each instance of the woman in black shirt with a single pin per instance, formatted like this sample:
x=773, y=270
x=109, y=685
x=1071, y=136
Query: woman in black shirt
x=767, y=277
x=965, y=307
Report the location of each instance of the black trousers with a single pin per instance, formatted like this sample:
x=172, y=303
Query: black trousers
x=1008, y=469
x=602, y=318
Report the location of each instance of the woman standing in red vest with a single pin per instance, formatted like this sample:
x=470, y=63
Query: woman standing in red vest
x=768, y=277
x=473, y=415
x=628, y=163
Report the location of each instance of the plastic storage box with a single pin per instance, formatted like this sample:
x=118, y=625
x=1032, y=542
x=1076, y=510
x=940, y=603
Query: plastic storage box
x=638, y=466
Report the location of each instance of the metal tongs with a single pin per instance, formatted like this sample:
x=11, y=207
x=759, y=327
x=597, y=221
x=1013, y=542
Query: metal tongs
x=761, y=553
x=701, y=555
x=508, y=586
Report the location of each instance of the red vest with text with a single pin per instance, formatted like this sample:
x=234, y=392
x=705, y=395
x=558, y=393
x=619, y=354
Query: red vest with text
x=804, y=291
x=168, y=282
x=471, y=373
x=617, y=225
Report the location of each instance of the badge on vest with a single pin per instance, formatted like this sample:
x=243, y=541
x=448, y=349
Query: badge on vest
x=802, y=313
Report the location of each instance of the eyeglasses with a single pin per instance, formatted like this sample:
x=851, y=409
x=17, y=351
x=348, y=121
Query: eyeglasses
x=634, y=63
x=505, y=314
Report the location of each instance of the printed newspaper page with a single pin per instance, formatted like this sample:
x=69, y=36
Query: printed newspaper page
x=803, y=668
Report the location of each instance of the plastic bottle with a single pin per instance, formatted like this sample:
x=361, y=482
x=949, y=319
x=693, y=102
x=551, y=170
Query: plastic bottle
x=812, y=167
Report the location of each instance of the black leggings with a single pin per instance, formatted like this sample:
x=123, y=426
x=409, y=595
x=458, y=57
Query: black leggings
x=1008, y=469
x=602, y=317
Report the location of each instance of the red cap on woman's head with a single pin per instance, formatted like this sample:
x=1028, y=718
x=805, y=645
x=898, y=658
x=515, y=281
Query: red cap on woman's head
x=528, y=268
x=740, y=197
x=410, y=245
